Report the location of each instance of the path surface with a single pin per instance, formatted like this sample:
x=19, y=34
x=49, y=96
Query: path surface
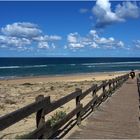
x=117, y=117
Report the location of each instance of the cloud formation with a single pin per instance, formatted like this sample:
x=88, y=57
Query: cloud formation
x=105, y=16
x=22, y=34
x=13, y=41
x=136, y=44
x=92, y=40
x=23, y=29
x=127, y=10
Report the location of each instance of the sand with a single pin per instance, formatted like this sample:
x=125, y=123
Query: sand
x=17, y=93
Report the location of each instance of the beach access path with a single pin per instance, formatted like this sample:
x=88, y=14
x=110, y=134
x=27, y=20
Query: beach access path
x=117, y=117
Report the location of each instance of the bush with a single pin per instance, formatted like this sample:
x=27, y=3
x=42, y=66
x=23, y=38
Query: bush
x=52, y=88
x=9, y=101
x=27, y=84
x=58, y=116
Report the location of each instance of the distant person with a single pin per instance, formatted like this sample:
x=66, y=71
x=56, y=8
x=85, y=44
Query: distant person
x=132, y=74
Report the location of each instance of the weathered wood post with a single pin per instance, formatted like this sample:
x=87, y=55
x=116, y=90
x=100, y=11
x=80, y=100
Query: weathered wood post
x=138, y=85
x=94, y=90
x=122, y=80
x=113, y=84
x=110, y=88
x=94, y=94
x=104, y=82
x=104, y=90
x=116, y=83
x=78, y=104
x=40, y=117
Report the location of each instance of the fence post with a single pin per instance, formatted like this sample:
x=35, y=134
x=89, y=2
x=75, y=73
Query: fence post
x=116, y=86
x=110, y=89
x=94, y=95
x=119, y=84
x=78, y=104
x=40, y=117
x=113, y=84
x=138, y=85
x=104, y=86
x=94, y=91
x=104, y=90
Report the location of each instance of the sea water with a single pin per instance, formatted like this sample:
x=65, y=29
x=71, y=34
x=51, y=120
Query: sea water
x=21, y=67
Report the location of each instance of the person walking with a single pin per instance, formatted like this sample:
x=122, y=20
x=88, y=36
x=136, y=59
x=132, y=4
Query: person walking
x=132, y=74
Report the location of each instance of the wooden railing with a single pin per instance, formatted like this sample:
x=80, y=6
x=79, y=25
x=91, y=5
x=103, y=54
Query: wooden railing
x=43, y=105
x=138, y=84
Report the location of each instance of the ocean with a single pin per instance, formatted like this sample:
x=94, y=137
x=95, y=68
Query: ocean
x=22, y=67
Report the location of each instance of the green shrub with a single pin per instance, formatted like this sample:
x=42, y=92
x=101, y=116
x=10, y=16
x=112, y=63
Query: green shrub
x=58, y=116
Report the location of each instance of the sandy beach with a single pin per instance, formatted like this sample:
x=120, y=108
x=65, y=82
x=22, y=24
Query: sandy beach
x=17, y=93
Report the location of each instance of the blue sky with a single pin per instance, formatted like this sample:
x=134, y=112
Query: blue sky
x=81, y=29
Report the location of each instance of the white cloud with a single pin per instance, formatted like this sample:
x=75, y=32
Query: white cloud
x=76, y=45
x=94, y=45
x=102, y=10
x=128, y=10
x=93, y=40
x=74, y=41
x=103, y=42
x=47, y=38
x=43, y=45
x=53, y=45
x=54, y=38
x=93, y=33
x=72, y=37
x=120, y=44
x=13, y=41
x=21, y=30
x=136, y=44
x=105, y=16
x=22, y=35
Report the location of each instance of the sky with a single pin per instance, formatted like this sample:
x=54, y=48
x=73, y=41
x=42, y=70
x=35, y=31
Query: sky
x=99, y=28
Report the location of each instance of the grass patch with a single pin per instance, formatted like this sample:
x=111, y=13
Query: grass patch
x=58, y=116
x=9, y=101
x=27, y=84
x=52, y=88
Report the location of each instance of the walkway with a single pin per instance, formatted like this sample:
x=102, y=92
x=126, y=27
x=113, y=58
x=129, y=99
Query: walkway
x=117, y=117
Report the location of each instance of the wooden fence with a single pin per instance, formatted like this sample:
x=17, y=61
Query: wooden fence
x=42, y=106
x=138, y=84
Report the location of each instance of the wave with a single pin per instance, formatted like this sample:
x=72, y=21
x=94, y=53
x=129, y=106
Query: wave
x=34, y=66
x=91, y=66
x=72, y=64
x=16, y=67
x=112, y=66
x=136, y=62
x=10, y=67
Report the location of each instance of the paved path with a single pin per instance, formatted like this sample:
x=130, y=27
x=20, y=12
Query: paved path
x=117, y=117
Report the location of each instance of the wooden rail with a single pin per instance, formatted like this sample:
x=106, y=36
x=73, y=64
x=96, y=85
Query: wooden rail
x=138, y=84
x=43, y=105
